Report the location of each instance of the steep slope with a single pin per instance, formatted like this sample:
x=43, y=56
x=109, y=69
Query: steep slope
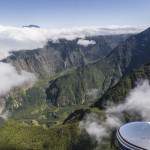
x=82, y=85
x=55, y=57
x=132, y=53
x=127, y=57
x=118, y=93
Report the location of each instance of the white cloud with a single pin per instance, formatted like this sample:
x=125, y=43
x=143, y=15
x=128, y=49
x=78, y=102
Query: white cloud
x=98, y=128
x=85, y=43
x=16, y=38
x=93, y=127
x=138, y=101
x=10, y=78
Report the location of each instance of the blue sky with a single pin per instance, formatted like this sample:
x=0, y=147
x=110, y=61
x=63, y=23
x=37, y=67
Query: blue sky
x=70, y=13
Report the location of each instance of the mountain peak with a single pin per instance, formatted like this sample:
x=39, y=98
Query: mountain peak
x=31, y=26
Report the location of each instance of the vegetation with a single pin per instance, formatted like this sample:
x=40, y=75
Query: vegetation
x=80, y=86
x=21, y=136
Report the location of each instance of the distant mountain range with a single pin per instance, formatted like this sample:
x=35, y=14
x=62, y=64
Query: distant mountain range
x=31, y=26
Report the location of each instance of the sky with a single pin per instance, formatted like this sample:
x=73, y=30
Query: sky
x=72, y=13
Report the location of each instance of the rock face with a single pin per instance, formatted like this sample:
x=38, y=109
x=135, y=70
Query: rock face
x=132, y=53
x=55, y=57
x=77, y=115
x=117, y=93
x=42, y=62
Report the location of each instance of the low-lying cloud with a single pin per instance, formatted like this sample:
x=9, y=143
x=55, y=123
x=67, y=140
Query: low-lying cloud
x=93, y=127
x=17, y=38
x=99, y=129
x=85, y=43
x=138, y=101
x=10, y=78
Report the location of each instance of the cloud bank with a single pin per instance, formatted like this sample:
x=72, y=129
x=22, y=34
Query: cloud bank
x=85, y=43
x=137, y=101
x=10, y=78
x=16, y=38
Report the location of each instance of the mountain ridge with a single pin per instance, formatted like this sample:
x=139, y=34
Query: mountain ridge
x=55, y=57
